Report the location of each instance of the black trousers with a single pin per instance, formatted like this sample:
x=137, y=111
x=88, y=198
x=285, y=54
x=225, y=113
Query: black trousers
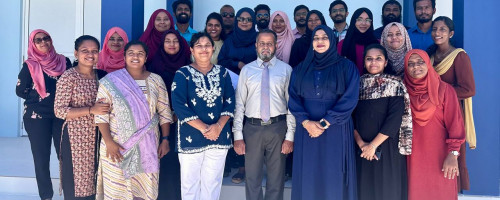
x=41, y=132
x=169, y=186
x=68, y=181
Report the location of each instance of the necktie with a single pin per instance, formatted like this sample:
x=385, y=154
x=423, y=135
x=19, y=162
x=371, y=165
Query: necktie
x=264, y=93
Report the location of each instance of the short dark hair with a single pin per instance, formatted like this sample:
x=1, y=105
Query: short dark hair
x=300, y=7
x=392, y=2
x=81, y=39
x=337, y=2
x=187, y=2
x=262, y=7
x=227, y=6
x=197, y=37
x=135, y=42
x=267, y=31
x=433, y=2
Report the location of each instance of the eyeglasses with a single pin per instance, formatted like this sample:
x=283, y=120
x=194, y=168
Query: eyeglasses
x=227, y=14
x=39, y=40
x=419, y=63
x=317, y=39
x=244, y=19
x=263, y=44
x=262, y=15
x=200, y=47
x=116, y=39
x=338, y=10
x=361, y=20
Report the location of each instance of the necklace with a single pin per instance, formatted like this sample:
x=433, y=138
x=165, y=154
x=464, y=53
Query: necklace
x=441, y=56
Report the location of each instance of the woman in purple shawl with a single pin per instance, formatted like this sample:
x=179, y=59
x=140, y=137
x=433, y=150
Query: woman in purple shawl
x=130, y=151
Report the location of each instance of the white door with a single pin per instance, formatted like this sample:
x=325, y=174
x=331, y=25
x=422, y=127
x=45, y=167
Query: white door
x=64, y=20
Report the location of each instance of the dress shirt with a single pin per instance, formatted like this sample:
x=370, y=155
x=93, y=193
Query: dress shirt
x=340, y=35
x=296, y=33
x=248, y=94
x=419, y=39
x=188, y=34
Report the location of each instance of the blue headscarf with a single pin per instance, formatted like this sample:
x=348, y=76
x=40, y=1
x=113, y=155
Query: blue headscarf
x=244, y=38
x=329, y=60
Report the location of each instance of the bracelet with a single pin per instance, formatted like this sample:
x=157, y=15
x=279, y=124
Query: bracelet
x=304, y=123
x=373, y=146
x=219, y=125
x=164, y=138
x=89, y=110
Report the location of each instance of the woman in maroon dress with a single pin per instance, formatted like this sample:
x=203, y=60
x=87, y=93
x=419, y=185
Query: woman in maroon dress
x=438, y=131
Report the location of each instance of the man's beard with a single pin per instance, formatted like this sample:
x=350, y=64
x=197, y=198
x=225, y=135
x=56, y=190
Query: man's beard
x=423, y=20
x=298, y=24
x=390, y=18
x=262, y=24
x=267, y=57
x=335, y=20
x=182, y=18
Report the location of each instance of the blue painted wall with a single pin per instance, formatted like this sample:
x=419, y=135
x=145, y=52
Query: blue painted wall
x=10, y=21
x=481, y=42
x=130, y=19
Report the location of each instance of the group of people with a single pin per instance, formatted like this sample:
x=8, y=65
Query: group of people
x=368, y=114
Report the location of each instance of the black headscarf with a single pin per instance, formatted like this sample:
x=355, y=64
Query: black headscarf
x=301, y=45
x=244, y=38
x=170, y=63
x=330, y=61
x=353, y=36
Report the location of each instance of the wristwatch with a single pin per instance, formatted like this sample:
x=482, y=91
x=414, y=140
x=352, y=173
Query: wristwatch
x=325, y=124
x=455, y=153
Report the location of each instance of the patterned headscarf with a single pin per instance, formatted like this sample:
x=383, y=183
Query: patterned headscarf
x=396, y=56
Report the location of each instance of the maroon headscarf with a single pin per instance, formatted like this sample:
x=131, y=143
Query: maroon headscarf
x=51, y=63
x=152, y=37
x=162, y=61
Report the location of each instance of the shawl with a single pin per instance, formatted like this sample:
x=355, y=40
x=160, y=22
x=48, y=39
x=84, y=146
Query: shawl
x=285, y=38
x=151, y=36
x=110, y=60
x=396, y=56
x=443, y=67
x=354, y=36
x=426, y=93
x=162, y=61
x=384, y=85
x=51, y=63
x=140, y=142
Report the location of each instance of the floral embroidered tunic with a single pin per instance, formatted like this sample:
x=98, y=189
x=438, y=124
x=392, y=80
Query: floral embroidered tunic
x=205, y=97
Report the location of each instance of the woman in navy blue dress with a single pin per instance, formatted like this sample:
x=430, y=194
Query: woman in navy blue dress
x=324, y=91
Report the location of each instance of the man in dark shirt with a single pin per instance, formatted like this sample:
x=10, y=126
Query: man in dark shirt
x=391, y=12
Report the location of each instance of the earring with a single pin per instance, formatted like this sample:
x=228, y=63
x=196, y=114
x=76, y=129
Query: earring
x=76, y=59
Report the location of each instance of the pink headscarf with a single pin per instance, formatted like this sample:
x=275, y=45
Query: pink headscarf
x=110, y=60
x=152, y=37
x=285, y=38
x=51, y=63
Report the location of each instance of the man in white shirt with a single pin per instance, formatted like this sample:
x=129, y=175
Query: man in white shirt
x=267, y=136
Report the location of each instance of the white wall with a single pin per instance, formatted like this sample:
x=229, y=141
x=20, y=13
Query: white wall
x=150, y=6
x=444, y=8
x=204, y=7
